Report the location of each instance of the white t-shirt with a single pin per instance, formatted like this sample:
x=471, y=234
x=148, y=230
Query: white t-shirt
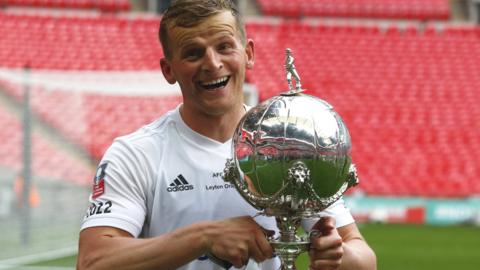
x=166, y=176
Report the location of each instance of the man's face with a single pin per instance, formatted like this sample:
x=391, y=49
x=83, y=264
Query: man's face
x=208, y=61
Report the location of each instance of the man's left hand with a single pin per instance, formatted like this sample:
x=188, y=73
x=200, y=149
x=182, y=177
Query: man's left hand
x=326, y=249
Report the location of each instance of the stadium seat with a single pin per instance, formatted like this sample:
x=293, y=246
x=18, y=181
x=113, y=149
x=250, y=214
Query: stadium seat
x=102, y=5
x=48, y=160
x=79, y=43
x=408, y=95
x=398, y=9
x=402, y=92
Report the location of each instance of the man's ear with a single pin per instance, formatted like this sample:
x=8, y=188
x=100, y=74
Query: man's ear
x=250, y=51
x=167, y=71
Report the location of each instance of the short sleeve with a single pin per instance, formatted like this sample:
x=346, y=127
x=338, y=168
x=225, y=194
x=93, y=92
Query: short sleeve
x=338, y=210
x=118, y=195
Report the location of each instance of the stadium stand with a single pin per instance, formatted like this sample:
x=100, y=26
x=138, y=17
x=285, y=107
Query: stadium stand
x=88, y=43
x=49, y=161
x=93, y=120
x=408, y=95
x=394, y=9
x=102, y=5
x=127, y=114
x=403, y=74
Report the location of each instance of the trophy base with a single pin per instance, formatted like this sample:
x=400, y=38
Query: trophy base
x=289, y=251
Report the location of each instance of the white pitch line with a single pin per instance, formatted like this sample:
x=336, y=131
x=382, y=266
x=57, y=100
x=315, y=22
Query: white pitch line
x=44, y=256
x=37, y=268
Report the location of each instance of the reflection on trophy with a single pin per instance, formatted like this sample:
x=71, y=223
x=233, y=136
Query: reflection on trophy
x=291, y=160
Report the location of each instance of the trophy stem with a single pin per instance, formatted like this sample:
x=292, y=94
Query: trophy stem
x=288, y=245
x=288, y=263
x=288, y=226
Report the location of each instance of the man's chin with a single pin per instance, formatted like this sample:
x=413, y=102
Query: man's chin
x=220, y=108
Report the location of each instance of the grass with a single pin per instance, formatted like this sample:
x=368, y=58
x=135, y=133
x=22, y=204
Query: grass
x=424, y=247
x=400, y=247
x=69, y=261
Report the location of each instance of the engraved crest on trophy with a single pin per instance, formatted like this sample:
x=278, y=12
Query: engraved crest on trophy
x=291, y=160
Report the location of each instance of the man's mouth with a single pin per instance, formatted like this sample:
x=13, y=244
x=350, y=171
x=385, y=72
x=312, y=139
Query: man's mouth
x=215, y=84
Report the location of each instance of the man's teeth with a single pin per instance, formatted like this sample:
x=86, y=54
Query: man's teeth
x=217, y=81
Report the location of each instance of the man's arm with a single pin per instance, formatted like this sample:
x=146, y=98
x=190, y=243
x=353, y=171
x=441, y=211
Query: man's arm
x=343, y=248
x=356, y=252
x=233, y=240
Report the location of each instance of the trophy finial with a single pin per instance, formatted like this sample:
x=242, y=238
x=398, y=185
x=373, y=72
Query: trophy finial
x=291, y=71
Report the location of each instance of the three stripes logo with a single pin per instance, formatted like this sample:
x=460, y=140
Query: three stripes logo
x=179, y=184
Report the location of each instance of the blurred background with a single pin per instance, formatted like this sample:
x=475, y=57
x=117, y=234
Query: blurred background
x=403, y=74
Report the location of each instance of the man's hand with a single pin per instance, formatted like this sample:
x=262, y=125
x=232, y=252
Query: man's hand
x=237, y=239
x=326, y=250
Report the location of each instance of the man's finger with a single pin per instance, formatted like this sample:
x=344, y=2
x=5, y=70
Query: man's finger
x=264, y=246
x=324, y=226
x=334, y=252
x=325, y=264
x=268, y=233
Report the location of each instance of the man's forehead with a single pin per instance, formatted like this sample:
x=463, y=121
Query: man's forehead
x=222, y=24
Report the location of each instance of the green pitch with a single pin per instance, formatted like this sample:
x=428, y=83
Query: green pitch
x=421, y=247
x=69, y=261
x=402, y=247
x=425, y=247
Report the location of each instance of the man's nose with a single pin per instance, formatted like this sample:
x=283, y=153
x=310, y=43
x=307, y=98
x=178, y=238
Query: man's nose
x=212, y=60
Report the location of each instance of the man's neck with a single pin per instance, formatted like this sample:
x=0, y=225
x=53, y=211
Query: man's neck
x=216, y=127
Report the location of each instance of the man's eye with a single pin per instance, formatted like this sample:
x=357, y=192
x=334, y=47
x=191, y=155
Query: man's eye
x=225, y=46
x=192, y=54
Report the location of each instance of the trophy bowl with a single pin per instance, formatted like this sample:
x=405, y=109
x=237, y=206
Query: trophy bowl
x=291, y=160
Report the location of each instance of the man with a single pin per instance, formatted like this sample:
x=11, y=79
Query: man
x=158, y=201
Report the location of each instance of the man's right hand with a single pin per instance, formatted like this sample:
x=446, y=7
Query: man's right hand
x=238, y=239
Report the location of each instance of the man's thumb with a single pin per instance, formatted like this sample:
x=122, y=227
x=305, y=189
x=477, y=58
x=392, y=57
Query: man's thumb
x=324, y=226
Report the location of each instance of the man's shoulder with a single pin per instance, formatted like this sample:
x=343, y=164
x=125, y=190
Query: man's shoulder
x=151, y=131
x=150, y=137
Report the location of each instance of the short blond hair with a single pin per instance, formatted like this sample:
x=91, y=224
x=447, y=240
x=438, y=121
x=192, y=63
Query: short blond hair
x=189, y=13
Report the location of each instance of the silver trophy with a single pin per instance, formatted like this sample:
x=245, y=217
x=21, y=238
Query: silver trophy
x=291, y=160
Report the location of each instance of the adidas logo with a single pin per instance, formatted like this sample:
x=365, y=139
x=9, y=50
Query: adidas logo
x=179, y=184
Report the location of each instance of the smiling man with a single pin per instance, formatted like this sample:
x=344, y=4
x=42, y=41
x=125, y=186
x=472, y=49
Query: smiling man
x=208, y=61
x=152, y=205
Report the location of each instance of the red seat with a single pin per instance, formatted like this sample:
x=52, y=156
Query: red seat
x=410, y=98
x=103, y=5
x=404, y=9
x=399, y=93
